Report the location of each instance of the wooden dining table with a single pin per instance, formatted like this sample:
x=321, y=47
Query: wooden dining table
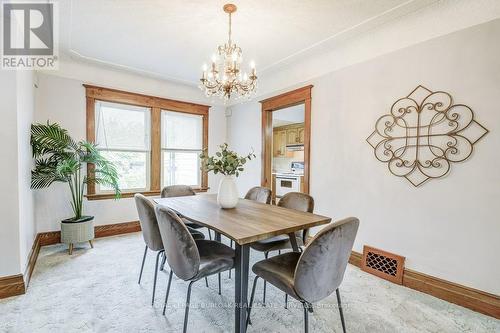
x=248, y=222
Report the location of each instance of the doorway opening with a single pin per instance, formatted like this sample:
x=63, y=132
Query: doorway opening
x=286, y=130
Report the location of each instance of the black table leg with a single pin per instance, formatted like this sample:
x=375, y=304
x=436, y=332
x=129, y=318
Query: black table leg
x=293, y=241
x=241, y=287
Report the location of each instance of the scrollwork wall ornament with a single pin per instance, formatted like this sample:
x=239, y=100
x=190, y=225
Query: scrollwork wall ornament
x=425, y=133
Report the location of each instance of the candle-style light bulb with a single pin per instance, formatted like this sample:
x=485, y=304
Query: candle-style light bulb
x=214, y=58
x=205, y=67
x=252, y=64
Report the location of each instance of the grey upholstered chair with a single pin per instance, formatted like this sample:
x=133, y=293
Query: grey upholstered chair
x=151, y=234
x=315, y=273
x=259, y=194
x=182, y=191
x=190, y=260
x=293, y=200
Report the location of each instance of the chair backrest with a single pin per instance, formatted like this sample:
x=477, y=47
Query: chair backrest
x=322, y=265
x=176, y=191
x=259, y=194
x=149, y=225
x=180, y=248
x=298, y=201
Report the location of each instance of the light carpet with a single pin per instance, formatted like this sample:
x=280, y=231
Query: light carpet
x=96, y=290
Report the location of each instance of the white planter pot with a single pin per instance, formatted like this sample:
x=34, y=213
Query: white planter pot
x=227, y=197
x=77, y=232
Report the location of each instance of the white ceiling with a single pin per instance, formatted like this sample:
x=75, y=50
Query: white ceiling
x=172, y=39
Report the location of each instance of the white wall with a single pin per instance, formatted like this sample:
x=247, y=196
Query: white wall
x=447, y=228
x=61, y=98
x=9, y=223
x=25, y=113
x=16, y=199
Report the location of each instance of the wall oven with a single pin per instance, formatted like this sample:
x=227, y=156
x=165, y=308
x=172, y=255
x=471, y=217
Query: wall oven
x=286, y=184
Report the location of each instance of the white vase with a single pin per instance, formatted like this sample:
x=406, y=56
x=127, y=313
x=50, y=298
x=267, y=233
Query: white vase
x=227, y=197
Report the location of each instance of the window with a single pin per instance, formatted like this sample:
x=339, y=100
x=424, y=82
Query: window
x=153, y=141
x=123, y=136
x=181, y=144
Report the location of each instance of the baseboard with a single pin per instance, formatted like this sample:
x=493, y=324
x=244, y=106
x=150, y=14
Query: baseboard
x=12, y=286
x=33, y=256
x=17, y=284
x=476, y=300
x=54, y=237
x=117, y=229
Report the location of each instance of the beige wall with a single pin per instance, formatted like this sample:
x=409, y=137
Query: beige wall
x=449, y=227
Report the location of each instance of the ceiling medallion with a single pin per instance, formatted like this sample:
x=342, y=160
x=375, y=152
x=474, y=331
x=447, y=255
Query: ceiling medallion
x=224, y=77
x=424, y=134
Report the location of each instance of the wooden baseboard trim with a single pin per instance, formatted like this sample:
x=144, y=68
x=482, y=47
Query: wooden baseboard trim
x=17, y=284
x=54, y=237
x=117, y=229
x=12, y=286
x=476, y=300
x=32, y=258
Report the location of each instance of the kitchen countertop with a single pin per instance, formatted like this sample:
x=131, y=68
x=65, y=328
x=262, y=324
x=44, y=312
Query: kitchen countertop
x=287, y=173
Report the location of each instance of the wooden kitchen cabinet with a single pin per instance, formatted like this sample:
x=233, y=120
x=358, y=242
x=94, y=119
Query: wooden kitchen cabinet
x=301, y=134
x=292, y=136
x=279, y=142
x=287, y=135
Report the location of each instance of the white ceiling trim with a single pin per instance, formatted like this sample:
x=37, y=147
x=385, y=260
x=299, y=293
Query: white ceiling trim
x=80, y=57
x=392, y=13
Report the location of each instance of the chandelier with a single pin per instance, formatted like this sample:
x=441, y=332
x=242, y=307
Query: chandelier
x=224, y=77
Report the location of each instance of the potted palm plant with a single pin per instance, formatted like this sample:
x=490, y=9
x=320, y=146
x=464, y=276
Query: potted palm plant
x=58, y=158
x=230, y=164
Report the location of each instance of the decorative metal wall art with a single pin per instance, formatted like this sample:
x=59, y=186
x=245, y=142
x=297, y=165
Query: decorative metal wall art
x=424, y=134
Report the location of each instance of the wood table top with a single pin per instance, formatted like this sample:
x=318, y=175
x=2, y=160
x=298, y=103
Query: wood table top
x=250, y=221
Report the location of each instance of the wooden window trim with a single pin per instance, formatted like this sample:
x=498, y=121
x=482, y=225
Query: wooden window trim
x=295, y=97
x=156, y=104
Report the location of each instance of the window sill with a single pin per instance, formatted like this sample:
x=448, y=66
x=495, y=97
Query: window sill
x=107, y=196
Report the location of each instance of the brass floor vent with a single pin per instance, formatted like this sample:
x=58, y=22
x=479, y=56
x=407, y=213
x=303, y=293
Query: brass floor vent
x=388, y=266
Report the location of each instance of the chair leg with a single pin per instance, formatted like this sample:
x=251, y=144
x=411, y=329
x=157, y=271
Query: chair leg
x=340, y=310
x=219, y=283
x=266, y=255
x=231, y=246
x=251, y=300
x=156, y=275
x=209, y=234
x=206, y=281
x=186, y=314
x=286, y=301
x=168, y=291
x=306, y=317
x=163, y=260
x=143, y=260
